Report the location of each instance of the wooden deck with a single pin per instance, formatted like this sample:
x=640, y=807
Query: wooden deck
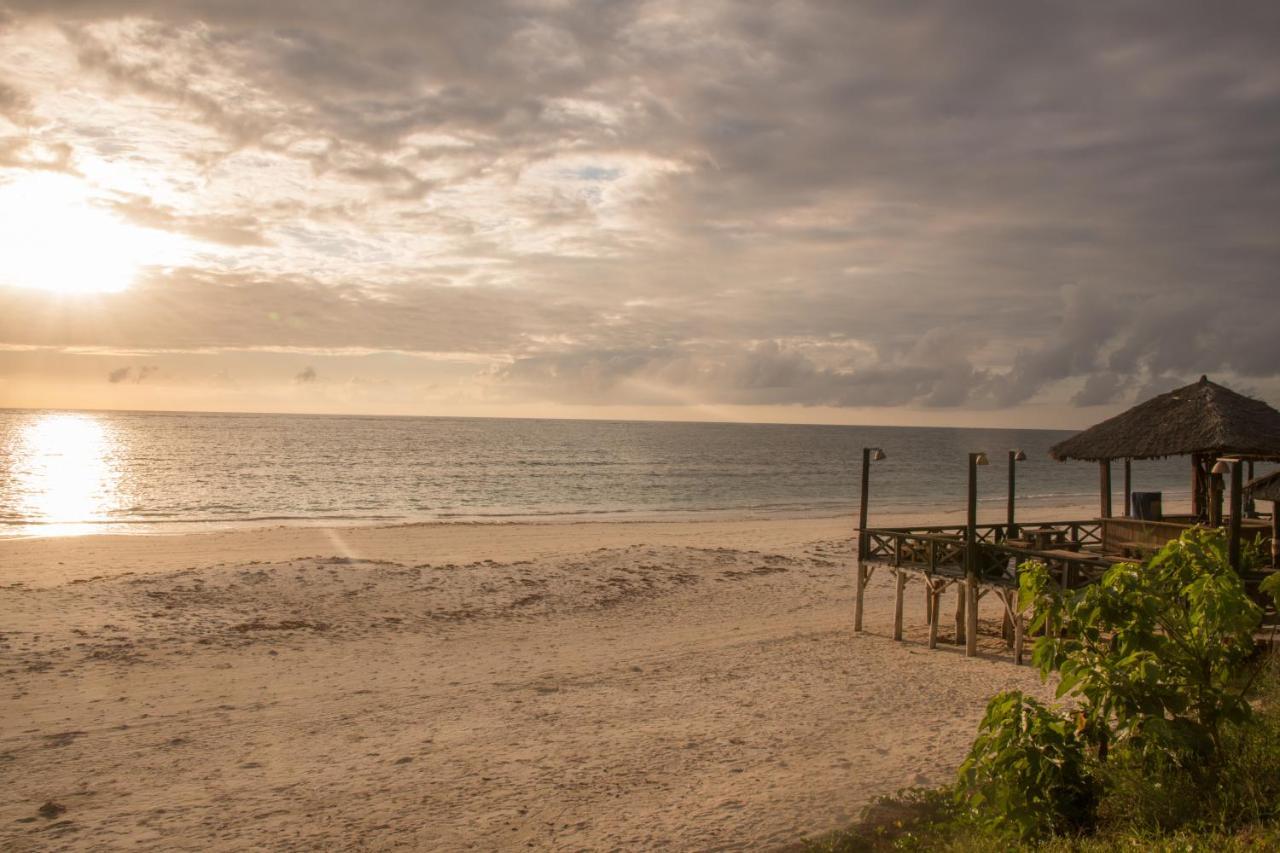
x=1076, y=552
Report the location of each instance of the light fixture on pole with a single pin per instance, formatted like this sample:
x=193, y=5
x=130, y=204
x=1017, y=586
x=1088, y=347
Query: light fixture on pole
x=869, y=455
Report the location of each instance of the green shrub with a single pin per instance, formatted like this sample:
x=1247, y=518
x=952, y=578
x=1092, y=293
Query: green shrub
x=1026, y=772
x=1154, y=654
x=1156, y=659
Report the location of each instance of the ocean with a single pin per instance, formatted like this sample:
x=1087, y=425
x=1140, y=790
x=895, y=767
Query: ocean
x=76, y=472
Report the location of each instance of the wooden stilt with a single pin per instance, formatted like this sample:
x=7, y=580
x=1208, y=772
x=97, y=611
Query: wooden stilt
x=960, y=621
x=971, y=614
x=897, y=607
x=928, y=602
x=1006, y=621
x=861, y=583
x=933, y=606
x=1019, y=638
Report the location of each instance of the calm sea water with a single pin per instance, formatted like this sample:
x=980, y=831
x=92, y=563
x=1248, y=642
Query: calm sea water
x=75, y=472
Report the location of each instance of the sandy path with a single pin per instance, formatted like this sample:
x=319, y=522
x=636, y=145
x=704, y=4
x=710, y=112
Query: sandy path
x=674, y=694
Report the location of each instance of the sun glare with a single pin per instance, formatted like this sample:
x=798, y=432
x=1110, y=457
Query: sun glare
x=65, y=475
x=54, y=238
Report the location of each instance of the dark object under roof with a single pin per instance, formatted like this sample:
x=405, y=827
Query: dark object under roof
x=1201, y=418
x=1265, y=488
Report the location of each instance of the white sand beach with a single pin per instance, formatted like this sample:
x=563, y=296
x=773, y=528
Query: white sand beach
x=682, y=685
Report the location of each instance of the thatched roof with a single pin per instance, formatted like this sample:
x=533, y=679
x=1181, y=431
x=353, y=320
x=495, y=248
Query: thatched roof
x=1265, y=488
x=1201, y=418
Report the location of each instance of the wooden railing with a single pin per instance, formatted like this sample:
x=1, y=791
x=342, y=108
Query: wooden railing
x=940, y=550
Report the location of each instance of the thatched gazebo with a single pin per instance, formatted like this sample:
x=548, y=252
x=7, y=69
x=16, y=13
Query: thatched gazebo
x=1217, y=427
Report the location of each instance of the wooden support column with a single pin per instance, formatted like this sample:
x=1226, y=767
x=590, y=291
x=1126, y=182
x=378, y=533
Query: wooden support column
x=864, y=547
x=928, y=602
x=933, y=606
x=1128, y=488
x=960, y=602
x=1199, y=507
x=1250, y=509
x=1010, y=530
x=1215, y=499
x=1019, y=638
x=1237, y=507
x=970, y=588
x=1006, y=621
x=897, y=606
x=861, y=581
x=1104, y=471
x=1275, y=534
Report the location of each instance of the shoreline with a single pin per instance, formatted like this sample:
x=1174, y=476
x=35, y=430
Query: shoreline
x=41, y=561
x=990, y=509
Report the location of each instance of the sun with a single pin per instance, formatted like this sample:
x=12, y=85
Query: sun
x=53, y=237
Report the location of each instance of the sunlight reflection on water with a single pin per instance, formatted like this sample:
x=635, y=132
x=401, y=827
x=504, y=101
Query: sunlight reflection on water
x=65, y=472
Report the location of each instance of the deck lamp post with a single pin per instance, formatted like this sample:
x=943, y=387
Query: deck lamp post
x=1015, y=456
x=1232, y=466
x=968, y=616
x=869, y=455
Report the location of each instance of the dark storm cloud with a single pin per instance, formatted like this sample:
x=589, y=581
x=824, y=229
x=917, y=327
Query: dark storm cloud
x=306, y=375
x=878, y=203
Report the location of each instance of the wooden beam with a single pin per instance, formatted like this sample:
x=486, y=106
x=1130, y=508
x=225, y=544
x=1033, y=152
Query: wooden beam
x=960, y=608
x=897, y=607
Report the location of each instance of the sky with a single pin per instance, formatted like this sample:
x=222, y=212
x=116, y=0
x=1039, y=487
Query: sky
x=980, y=213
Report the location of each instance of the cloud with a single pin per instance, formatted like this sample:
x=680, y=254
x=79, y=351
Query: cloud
x=228, y=230
x=130, y=374
x=985, y=206
x=305, y=376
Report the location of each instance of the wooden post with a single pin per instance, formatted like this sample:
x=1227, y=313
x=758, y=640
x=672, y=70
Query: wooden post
x=861, y=581
x=862, y=505
x=1275, y=534
x=1128, y=488
x=863, y=547
x=897, y=607
x=1237, y=507
x=928, y=602
x=970, y=590
x=1010, y=530
x=1215, y=499
x=1198, y=505
x=1019, y=638
x=933, y=606
x=1104, y=471
x=1006, y=621
x=1250, y=508
x=960, y=621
